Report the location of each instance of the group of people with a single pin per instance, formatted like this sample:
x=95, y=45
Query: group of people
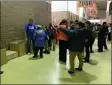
x=77, y=37
x=74, y=37
x=40, y=38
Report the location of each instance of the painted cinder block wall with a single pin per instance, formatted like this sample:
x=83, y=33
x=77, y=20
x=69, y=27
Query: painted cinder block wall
x=14, y=15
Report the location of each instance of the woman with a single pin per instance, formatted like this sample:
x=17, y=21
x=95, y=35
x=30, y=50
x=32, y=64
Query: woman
x=63, y=42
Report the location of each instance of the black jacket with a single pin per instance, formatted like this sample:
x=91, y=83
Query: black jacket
x=77, y=39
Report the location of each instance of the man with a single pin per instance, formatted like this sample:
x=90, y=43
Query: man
x=76, y=44
x=63, y=42
x=101, y=36
x=29, y=27
x=109, y=33
x=53, y=36
x=105, y=30
x=88, y=42
x=93, y=38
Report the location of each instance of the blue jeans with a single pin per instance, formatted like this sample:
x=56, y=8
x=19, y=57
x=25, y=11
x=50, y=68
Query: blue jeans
x=30, y=44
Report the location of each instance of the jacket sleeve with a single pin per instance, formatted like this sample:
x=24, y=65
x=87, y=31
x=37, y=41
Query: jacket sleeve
x=87, y=34
x=66, y=31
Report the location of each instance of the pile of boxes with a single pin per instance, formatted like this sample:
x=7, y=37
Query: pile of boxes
x=17, y=49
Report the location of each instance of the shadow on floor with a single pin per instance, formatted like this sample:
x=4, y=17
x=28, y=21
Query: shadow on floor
x=93, y=62
x=31, y=58
x=80, y=77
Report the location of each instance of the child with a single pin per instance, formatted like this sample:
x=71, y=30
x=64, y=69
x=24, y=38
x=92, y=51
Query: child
x=40, y=40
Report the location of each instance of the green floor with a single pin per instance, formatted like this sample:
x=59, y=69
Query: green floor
x=25, y=70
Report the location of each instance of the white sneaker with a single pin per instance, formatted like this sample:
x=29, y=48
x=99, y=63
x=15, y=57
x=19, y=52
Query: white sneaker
x=29, y=53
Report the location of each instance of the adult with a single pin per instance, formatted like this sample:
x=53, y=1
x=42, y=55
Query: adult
x=52, y=36
x=76, y=44
x=109, y=33
x=29, y=27
x=105, y=30
x=88, y=42
x=63, y=42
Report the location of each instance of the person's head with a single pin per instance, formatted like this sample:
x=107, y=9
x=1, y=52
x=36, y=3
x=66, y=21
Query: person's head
x=30, y=21
x=82, y=25
x=50, y=25
x=105, y=24
x=64, y=22
x=76, y=25
x=76, y=21
x=87, y=24
x=110, y=25
x=71, y=22
x=99, y=26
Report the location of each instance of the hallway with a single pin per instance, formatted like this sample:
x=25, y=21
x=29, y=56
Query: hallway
x=25, y=70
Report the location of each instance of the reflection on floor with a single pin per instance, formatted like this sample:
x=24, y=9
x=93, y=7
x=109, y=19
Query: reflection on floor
x=25, y=70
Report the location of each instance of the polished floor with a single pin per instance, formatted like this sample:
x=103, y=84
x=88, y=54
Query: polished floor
x=25, y=70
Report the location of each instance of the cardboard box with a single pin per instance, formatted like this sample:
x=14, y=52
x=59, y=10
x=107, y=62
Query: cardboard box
x=3, y=57
x=19, y=46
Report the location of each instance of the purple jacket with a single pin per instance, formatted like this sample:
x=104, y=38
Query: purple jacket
x=39, y=37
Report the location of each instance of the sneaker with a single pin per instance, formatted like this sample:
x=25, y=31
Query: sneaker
x=78, y=69
x=34, y=56
x=86, y=61
x=1, y=72
x=91, y=51
x=100, y=51
x=61, y=62
x=29, y=53
x=71, y=73
x=41, y=56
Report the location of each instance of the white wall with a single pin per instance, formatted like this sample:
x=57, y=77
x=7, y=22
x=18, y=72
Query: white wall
x=70, y=6
x=59, y=6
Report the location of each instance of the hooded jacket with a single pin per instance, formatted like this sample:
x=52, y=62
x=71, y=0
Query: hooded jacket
x=39, y=37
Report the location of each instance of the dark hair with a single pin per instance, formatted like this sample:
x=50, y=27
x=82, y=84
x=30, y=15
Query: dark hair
x=81, y=24
x=76, y=21
x=64, y=21
x=99, y=25
x=88, y=23
x=104, y=23
x=60, y=23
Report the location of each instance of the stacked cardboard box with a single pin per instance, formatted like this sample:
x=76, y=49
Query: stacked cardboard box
x=3, y=57
x=11, y=55
x=19, y=46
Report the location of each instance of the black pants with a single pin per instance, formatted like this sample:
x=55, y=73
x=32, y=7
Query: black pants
x=91, y=43
x=87, y=46
x=105, y=43
x=109, y=36
x=63, y=50
x=101, y=43
x=36, y=51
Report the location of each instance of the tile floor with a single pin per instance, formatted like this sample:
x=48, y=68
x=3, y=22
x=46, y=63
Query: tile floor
x=25, y=70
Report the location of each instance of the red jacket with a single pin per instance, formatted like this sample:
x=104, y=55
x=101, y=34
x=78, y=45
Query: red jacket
x=62, y=35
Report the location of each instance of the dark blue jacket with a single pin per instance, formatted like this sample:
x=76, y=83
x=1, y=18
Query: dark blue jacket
x=39, y=38
x=77, y=39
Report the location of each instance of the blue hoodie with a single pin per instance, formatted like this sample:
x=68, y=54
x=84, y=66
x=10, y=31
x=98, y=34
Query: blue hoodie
x=29, y=29
x=39, y=37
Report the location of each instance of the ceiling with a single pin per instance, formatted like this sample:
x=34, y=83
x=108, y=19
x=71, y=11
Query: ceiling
x=101, y=5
